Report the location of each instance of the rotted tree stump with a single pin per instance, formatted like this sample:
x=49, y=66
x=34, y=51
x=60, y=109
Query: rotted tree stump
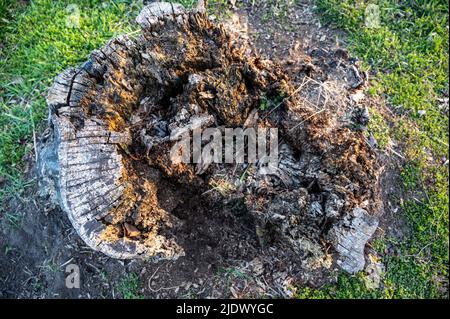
x=114, y=120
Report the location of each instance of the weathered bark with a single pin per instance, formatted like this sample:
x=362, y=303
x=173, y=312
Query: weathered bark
x=115, y=118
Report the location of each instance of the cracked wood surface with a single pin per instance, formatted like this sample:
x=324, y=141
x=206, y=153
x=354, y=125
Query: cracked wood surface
x=113, y=118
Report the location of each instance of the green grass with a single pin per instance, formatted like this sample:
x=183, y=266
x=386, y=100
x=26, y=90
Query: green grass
x=37, y=44
x=129, y=287
x=267, y=102
x=409, y=53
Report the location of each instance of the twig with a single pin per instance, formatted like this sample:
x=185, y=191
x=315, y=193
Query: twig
x=308, y=118
x=438, y=140
x=395, y=153
x=34, y=136
x=66, y=263
x=286, y=98
x=419, y=252
x=160, y=288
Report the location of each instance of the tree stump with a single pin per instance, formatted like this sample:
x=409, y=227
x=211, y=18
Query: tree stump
x=114, y=120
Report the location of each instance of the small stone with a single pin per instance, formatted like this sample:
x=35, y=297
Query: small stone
x=361, y=118
x=358, y=96
x=374, y=273
x=194, y=79
x=316, y=209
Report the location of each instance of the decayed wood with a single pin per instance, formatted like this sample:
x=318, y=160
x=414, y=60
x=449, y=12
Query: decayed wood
x=350, y=237
x=83, y=160
x=114, y=119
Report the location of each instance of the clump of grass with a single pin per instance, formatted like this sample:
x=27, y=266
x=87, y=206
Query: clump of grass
x=223, y=186
x=129, y=287
x=379, y=128
x=267, y=102
x=347, y=287
x=409, y=53
x=232, y=272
